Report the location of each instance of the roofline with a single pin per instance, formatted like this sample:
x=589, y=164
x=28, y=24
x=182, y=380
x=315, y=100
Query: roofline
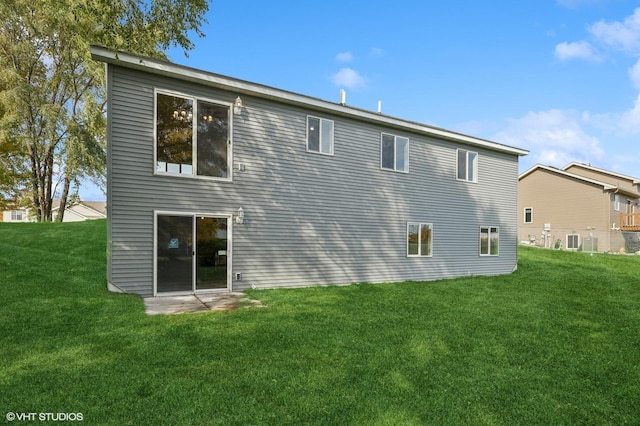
x=77, y=204
x=635, y=181
x=181, y=72
x=605, y=186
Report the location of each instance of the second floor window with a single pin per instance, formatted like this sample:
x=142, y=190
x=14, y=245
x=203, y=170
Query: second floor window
x=467, y=165
x=394, y=153
x=319, y=135
x=192, y=137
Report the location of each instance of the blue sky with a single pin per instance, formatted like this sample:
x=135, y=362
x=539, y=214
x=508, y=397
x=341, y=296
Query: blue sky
x=560, y=78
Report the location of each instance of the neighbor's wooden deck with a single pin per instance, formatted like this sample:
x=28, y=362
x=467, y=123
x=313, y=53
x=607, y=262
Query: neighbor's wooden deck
x=630, y=221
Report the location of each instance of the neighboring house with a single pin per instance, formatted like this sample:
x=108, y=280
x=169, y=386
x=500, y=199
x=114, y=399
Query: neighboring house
x=579, y=207
x=76, y=212
x=81, y=211
x=220, y=184
x=17, y=215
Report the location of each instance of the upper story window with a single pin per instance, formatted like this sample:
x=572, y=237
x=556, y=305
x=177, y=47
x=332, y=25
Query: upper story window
x=319, y=135
x=394, y=153
x=467, y=165
x=419, y=239
x=182, y=150
x=616, y=202
x=489, y=241
x=528, y=215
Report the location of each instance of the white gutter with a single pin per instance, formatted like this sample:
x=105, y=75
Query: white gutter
x=180, y=72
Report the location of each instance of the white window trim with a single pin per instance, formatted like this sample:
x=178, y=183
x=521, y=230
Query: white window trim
x=567, y=242
x=194, y=147
x=475, y=169
x=420, y=224
x=616, y=202
x=395, y=157
x=488, y=241
x=524, y=218
x=332, y=142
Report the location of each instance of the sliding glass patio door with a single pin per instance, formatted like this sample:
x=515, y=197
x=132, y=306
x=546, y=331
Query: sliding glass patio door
x=191, y=253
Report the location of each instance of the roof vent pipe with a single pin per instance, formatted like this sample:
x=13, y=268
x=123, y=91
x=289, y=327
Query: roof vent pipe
x=379, y=107
x=343, y=97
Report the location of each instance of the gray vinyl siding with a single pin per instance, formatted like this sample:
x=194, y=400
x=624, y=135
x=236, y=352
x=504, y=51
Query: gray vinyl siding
x=310, y=219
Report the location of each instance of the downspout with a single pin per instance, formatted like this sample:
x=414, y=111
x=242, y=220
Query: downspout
x=618, y=220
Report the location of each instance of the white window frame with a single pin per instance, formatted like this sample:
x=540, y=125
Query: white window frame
x=474, y=178
x=395, y=153
x=577, y=242
x=420, y=225
x=489, y=240
x=530, y=210
x=616, y=202
x=194, y=136
x=17, y=216
x=320, y=134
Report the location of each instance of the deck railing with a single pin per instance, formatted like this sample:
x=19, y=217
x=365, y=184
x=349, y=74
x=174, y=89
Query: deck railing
x=630, y=221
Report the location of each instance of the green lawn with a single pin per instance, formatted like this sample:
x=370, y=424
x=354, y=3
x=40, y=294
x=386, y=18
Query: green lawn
x=556, y=343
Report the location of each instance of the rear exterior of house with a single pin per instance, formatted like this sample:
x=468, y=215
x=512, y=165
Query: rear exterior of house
x=216, y=184
x=577, y=208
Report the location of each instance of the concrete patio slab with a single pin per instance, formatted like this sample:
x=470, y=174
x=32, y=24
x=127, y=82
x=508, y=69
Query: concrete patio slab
x=197, y=303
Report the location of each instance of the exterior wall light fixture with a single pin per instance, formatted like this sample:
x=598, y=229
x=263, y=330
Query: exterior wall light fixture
x=237, y=106
x=240, y=216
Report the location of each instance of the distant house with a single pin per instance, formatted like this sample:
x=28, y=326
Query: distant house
x=579, y=207
x=81, y=211
x=15, y=215
x=218, y=184
x=75, y=212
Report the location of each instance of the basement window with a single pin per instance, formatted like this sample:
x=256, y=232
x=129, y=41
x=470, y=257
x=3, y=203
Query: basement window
x=489, y=241
x=419, y=239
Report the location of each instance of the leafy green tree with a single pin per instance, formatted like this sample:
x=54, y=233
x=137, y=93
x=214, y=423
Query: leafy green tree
x=52, y=99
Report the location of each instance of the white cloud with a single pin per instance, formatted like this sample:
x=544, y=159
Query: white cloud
x=554, y=137
x=576, y=50
x=624, y=35
x=630, y=120
x=634, y=75
x=375, y=51
x=344, y=57
x=349, y=78
x=622, y=125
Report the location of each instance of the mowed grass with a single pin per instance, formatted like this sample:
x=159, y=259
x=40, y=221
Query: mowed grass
x=557, y=342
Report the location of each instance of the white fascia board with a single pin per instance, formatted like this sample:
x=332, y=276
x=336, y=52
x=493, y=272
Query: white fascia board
x=253, y=89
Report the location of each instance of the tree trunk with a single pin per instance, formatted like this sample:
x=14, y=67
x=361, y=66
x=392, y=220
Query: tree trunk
x=63, y=199
x=48, y=182
x=35, y=187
